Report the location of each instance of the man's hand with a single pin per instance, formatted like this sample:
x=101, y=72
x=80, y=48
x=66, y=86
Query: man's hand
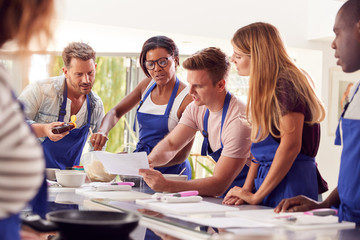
x=297, y=204
x=54, y=137
x=98, y=140
x=154, y=179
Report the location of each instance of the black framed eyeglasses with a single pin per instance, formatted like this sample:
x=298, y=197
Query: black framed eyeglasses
x=162, y=62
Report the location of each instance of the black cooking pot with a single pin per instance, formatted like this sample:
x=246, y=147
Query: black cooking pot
x=75, y=224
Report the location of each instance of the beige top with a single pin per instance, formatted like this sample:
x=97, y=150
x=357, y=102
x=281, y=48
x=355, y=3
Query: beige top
x=236, y=130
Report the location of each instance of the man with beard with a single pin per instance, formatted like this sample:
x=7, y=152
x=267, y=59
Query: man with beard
x=51, y=102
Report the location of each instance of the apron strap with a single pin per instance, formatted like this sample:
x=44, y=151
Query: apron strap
x=169, y=105
x=204, y=148
x=89, y=109
x=141, y=103
x=62, y=111
x=337, y=134
x=172, y=98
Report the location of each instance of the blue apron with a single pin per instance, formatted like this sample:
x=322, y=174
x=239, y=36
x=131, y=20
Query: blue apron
x=300, y=180
x=67, y=151
x=348, y=187
x=153, y=128
x=10, y=228
x=206, y=149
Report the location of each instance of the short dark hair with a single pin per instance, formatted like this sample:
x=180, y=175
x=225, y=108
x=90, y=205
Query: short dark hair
x=78, y=50
x=351, y=8
x=157, y=42
x=211, y=59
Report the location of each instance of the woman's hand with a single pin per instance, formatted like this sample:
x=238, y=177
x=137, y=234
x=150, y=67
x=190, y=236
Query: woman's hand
x=242, y=195
x=154, y=179
x=98, y=140
x=233, y=201
x=233, y=197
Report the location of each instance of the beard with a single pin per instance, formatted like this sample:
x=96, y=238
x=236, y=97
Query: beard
x=80, y=88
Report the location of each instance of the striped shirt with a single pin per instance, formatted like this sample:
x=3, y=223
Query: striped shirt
x=21, y=157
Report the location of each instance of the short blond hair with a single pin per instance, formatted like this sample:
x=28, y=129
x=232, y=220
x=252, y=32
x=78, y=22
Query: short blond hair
x=211, y=59
x=77, y=50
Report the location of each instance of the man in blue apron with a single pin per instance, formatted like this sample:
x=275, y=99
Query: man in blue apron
x=220, y=118
x=346, y=196
x=51, y=102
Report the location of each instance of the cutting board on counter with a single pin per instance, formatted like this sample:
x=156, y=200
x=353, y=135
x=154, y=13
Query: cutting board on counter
x=61, y=189
x=202, y=207
x=115, y=195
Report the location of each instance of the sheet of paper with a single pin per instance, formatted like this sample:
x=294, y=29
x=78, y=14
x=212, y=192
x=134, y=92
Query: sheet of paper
x=123, y=164
x=202, y=207
x=227, y=222
x=293, y=221
x=114, y=195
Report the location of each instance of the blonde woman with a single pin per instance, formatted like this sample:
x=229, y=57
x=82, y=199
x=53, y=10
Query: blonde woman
x=285, y=114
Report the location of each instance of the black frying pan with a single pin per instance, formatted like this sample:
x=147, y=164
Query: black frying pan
x=75, y=224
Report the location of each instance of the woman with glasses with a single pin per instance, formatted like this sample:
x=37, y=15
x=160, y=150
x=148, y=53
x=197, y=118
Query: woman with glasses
x=284, y=112
x=162, y=98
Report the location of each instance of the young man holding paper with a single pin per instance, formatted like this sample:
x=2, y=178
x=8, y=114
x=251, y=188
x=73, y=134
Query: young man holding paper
x=221, y=119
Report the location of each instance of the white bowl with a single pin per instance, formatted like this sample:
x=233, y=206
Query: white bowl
x=176, y=177
x=50, y=173
x=70, y=178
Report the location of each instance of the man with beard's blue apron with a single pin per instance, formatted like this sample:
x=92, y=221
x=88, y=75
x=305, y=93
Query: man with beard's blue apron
x=206, y=149
x=153, y=128
x=67, y=151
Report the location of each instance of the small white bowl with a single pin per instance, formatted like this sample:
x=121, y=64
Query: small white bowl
x=70, y=178
x=50, y=173
x=176, y=177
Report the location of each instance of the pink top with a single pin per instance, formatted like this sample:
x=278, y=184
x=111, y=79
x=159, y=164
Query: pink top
x=236, y=130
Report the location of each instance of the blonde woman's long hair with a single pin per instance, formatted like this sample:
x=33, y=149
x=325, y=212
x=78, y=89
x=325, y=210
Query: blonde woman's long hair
x=269, y=62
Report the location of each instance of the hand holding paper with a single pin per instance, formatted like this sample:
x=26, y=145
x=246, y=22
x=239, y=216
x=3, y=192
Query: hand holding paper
x=124, y=164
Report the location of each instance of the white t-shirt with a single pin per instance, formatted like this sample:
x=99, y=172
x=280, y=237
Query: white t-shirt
x=150, y=107
x=81, y=116
x=352, y=111
x=236, y=129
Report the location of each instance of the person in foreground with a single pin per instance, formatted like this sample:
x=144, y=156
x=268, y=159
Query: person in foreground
x=21, y=157
x=221, y=119
x=285, y=115
x=51, y=102
x=346, y=196
x=163, y=99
